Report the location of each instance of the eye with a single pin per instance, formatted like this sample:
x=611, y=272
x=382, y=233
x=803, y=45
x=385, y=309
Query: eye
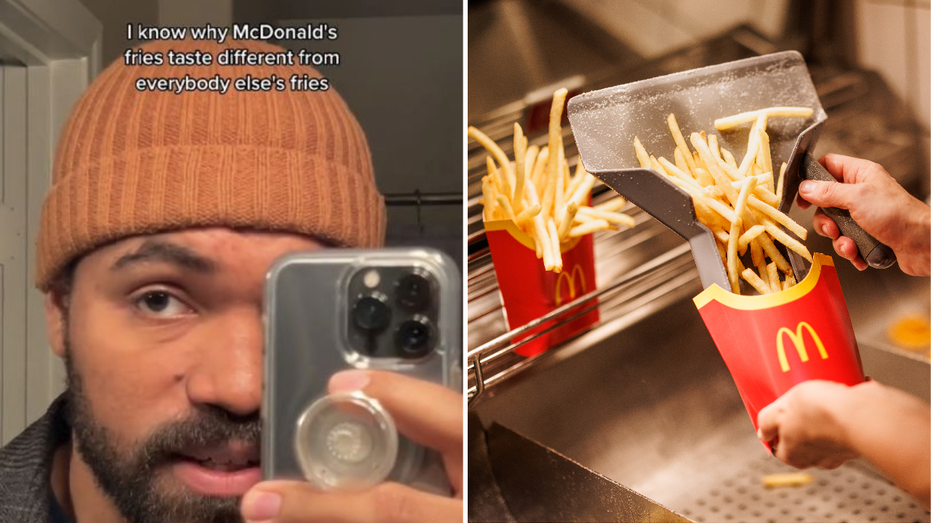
x=161, y=304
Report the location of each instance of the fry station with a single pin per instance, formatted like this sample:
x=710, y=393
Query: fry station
x=624, y=383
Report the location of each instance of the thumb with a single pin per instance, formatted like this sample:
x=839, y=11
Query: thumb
x=828, y=194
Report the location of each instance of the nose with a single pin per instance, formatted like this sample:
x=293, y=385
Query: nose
x=228, y=369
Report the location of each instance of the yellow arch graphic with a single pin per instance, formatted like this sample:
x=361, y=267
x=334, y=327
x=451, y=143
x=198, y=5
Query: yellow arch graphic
x=799, y=343
x=570, y=280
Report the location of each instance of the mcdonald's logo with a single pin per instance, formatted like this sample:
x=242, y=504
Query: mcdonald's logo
x=799, y=343
x=570, y=279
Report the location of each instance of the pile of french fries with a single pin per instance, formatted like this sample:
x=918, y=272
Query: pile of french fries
x=738, y=202
x=537, y=192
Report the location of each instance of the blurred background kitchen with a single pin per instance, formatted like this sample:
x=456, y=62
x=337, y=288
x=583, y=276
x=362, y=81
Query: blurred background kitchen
x=638, y=415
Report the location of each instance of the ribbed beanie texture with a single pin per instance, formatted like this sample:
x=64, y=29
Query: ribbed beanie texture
x=131, y=163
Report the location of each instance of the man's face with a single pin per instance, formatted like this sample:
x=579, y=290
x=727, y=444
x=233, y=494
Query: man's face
x=163, y=345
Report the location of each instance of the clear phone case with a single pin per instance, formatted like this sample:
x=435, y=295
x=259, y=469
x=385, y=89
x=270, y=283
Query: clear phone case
x=389, y=309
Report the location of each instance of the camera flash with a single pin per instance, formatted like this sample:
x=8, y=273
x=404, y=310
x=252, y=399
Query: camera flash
x=371, y=279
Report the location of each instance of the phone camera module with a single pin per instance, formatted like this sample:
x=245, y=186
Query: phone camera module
x=414, y=338
x=371, y=313
x=413, y=292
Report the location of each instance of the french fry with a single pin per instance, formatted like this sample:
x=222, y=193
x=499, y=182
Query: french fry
x=787, y=479
x=610, y=217
x=642, y=155
x=749, y=235
x=767, y=164
x=488, y=195
x=499, y=155
x=729, y=158
x=505, y=206
x=520, y=159
x=782, y=179
x=755, y=281
x=732, y=121
x=612, y=205
x=576, y=179
x=540, y=195
x=524, y=217
x=581, y=194
x=764, y=275
x=539, y=167
x=493, y=174
x=541, y=236
x=773, y=273
x=566, y=222
x=680, y=141
x=555, y=143
x=530, y=160
x=779, y=217
x=678, y=173
x=786, y=240
x=558, y=194
x=588, y=228
x=713, y=146
x=554, y=244
x=739, y=203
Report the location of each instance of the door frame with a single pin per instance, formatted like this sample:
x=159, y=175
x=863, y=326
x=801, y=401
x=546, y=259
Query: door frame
x=58, y=43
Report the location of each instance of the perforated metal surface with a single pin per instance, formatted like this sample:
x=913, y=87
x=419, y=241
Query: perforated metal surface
x=721, y=481
x=845, y=494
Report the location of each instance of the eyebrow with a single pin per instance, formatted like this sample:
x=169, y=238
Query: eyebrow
x=160, y=251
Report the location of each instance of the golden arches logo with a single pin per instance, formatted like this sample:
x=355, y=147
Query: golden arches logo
x=570, y=277
x=799, y=343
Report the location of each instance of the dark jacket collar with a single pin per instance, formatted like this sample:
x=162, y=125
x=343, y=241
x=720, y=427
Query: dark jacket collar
x=25, y=467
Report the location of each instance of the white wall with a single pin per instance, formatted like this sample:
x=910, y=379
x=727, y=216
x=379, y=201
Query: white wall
x=893, y=39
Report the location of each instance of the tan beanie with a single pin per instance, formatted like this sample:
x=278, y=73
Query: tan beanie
x=131, y=162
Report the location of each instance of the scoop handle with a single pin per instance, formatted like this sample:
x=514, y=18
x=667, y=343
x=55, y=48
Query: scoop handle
x=877, y=255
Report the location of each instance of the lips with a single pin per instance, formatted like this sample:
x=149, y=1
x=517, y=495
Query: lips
x=225, y=470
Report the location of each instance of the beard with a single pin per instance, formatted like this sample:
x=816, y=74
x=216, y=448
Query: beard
x=129, y=476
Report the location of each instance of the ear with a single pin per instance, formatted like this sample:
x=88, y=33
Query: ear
x=55, y=321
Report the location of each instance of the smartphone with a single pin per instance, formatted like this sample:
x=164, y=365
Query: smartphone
x=394, y=309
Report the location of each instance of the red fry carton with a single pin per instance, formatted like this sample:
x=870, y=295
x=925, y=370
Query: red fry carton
x=771, y=343
x=529, y=291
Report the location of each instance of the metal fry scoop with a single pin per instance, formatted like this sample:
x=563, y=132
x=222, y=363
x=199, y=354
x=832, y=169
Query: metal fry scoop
x=605, y=123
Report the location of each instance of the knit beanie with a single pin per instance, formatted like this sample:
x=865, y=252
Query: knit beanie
x=131, y=163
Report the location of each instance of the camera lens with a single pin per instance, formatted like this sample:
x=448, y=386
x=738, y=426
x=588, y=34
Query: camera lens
x=414, y=338
x=371, y=314
x=413, y=292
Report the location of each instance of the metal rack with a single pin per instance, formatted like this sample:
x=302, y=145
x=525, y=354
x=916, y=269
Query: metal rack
x=638, y=272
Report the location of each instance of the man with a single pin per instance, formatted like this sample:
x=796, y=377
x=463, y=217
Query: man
x=165, y=213
x=821, y=423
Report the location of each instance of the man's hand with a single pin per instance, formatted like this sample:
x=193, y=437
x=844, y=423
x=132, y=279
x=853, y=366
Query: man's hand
x=427, y=413
x=878, y=204
x=804, y=423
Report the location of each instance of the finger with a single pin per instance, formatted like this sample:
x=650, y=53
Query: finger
x=767, y=422
x=427, y=413
x=828, y=194
x=298, y=502
x=825, y=226
x=846, y=169
x=802, y=203
x=847, y=248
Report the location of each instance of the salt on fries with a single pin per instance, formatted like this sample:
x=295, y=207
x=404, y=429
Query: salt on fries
x=539, y=195
x=738, y=201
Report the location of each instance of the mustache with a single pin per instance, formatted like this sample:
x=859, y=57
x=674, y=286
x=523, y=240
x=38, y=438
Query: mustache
x=208, y=427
